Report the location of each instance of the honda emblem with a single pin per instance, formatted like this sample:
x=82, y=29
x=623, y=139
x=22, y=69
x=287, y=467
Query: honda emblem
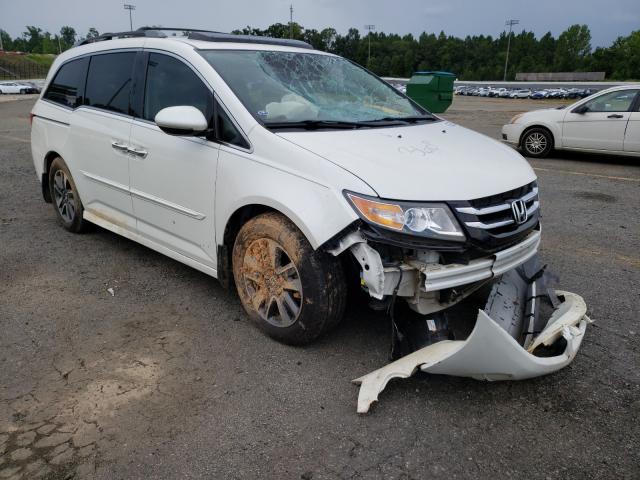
x=519, y=210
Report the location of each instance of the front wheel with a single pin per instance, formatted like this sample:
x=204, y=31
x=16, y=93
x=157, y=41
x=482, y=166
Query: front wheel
x=537, y=143
x=291, y=292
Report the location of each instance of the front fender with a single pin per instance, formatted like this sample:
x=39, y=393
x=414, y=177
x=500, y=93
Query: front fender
x=318, y=208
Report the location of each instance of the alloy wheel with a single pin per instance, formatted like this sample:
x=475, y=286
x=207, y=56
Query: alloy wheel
x=535, y=143
x=64, y=196
x=272, y=282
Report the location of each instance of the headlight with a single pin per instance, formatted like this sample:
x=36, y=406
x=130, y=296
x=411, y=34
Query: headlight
x=515, y=118
x=428, y=220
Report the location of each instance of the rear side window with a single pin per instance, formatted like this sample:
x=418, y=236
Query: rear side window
x=109, y=81
x=171, y=83
x=67, y=86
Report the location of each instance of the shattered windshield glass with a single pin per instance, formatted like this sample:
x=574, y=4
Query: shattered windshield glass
x=282, y=87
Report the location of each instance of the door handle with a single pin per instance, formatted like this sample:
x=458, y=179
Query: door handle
x=615, y=115
x=119, y=146
x=138, y=152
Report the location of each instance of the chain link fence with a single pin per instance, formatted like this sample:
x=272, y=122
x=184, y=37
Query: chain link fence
x=16, y=67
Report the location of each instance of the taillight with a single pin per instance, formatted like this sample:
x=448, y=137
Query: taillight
x=31, y=115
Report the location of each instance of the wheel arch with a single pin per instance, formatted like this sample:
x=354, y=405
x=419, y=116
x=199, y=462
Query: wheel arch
x=48, y=160
x=233, y=225
x=540, y=126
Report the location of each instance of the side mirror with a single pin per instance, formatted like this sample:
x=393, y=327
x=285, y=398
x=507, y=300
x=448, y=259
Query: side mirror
x=581, y=109
x=182, y=120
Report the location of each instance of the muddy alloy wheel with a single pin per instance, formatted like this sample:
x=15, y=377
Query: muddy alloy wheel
x=291, y=292
x=272, y=282
x=66, y=201
x=537, y=143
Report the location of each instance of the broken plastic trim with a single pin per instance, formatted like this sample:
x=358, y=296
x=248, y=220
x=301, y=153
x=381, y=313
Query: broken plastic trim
x=489, y=353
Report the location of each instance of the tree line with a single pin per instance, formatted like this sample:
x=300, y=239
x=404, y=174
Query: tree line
x=477, y=57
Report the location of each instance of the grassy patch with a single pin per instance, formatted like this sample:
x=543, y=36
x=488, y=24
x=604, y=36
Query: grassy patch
x=45, y=59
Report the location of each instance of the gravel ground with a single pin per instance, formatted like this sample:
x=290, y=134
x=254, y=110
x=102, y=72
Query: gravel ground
x=167, y=379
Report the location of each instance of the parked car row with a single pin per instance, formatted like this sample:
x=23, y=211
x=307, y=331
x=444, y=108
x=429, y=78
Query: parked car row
x=18, y=87
x=502, y=92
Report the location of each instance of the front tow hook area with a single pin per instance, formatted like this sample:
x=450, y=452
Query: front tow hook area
x=504, y=343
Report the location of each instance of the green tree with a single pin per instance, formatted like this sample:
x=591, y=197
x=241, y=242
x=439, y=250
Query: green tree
x=33, y=39
x=574, y=45
x=7, y=42
x=67, y=37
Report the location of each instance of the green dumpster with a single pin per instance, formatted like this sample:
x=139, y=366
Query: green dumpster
x=432, y=90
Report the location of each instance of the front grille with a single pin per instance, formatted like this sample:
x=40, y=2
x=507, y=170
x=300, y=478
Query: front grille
x=491, y=222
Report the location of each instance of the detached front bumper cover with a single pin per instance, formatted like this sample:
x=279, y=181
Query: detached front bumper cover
x=489, y=353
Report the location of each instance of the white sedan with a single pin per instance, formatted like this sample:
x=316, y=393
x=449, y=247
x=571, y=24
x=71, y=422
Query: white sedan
x=12, y=87
x=607, y=122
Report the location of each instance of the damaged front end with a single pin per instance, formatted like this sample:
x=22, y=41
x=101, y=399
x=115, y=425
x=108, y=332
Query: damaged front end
x=522, y=327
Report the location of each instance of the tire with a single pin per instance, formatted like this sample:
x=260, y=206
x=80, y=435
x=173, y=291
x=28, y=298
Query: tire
x=23, y=92
x=65, y=198
x=289, y=291
x=537, y=142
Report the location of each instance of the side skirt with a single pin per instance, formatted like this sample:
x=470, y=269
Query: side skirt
x=93, y=218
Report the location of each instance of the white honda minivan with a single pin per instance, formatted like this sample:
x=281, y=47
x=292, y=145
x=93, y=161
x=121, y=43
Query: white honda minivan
x=285, y=171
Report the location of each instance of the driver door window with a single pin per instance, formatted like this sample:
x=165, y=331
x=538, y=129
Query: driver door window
x=619, y=101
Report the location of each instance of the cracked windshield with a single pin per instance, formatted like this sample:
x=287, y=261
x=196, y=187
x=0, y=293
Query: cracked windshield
x=282, y=87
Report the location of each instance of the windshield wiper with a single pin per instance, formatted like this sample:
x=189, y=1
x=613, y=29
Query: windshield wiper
x=408, y=119
x=315, y=124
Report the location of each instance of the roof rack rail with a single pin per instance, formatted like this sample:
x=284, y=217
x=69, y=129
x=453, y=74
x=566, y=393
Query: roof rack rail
x=111, y=36
x=198, y=34
x=232, y=37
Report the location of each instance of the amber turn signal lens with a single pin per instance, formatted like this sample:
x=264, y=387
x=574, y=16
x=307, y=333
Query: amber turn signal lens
x=385, y=214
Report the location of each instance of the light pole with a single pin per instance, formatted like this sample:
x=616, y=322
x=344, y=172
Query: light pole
x=291, y=21
x=510, y=24
x=370, y=28
x=130, y=7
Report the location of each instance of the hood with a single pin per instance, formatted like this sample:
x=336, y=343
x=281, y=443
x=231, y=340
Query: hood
x=550, y=114
x=430, y=162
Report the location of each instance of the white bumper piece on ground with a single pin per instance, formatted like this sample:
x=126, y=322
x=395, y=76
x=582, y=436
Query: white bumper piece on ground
x=489, y=353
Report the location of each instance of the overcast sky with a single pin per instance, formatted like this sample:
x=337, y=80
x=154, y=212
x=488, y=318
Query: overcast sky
x=606, y=19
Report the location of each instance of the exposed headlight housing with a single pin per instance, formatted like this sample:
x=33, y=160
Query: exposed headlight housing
x=433, y=220
x=515, y=118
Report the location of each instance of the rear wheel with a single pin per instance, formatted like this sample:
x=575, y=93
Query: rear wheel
x=66, y=200
x=537, y=142
x=291, y=292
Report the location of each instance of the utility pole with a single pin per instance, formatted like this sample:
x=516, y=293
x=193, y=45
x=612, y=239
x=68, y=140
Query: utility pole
x=510, y=24
x=370, y=28
x=128, y=6
x=291, y=21
x=59, y=47
x=1, y=48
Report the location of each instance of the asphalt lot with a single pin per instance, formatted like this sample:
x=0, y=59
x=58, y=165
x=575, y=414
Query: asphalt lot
x=167, y=378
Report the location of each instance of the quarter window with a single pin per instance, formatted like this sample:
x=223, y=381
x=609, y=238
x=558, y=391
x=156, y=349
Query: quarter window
x=109, y=81
x=171, y=83
x=227, y=131
x=618, y=101
x=66, y=87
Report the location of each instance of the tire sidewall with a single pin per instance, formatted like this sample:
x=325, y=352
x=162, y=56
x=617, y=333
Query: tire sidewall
x=548, y=148
x=78, y=223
